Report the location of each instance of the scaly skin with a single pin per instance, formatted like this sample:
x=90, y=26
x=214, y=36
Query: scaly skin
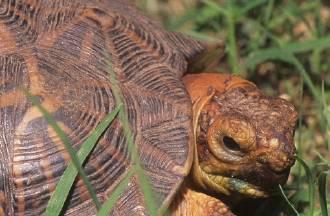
x=243, y=143
x=190, y=202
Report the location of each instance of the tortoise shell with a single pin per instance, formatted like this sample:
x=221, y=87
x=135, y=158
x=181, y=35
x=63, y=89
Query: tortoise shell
x=59, y=51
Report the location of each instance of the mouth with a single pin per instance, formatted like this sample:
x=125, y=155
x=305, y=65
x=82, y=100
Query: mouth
x=229, y=185
x=265, y=178
x=251, y=185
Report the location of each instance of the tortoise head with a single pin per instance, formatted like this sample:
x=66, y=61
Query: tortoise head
x=243, y=139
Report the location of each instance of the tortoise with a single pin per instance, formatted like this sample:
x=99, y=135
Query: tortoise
x=198, y=138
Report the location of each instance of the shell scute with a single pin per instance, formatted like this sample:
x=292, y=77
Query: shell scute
x=60, y=53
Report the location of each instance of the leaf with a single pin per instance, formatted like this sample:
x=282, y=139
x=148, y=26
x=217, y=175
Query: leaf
x=322, y=192
x=108, y=205
x=311, y=190
x=286, y=56
x=149, y=197
x=251, y=5
x=65, y=140
x=287, y=200
x=63, y=187
x=215, y=6
x=259, y=56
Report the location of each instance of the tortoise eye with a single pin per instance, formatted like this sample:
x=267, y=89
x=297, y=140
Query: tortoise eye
x=230, y=143
x=230, y=138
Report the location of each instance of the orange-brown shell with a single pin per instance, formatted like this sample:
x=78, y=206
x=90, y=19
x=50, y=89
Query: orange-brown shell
x=58, y=50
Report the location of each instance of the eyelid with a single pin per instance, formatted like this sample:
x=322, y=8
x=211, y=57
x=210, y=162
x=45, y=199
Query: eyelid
x=236, y=128
x=245, y=135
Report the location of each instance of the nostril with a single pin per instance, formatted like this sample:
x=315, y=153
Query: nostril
x=277, y=163
x=231, y=144
x=279, y=170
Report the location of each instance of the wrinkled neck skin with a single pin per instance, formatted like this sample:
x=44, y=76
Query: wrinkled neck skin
x=243, y=139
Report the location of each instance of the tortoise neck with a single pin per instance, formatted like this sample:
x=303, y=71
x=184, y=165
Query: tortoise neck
x=199, y=85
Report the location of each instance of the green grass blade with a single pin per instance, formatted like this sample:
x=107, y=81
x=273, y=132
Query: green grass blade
x=295, y=47
x=282, y=54
x=322, y=192
x=201, y=36
x=323, y=160
x=63, y=187
x=264, y=30
x=109, y=204
x=311, y=189
x=149, y=197
x=148, y=194
x=326, y=114
x=308, y=45
x=65, y=140
x=287, y=200
x=269, y=11
x=233, y=55
x=181, y=21
x=215, y=6
x=251, y=5
x=300, y=123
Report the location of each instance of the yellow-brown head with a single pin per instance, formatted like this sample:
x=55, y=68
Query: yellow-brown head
x=244, y=139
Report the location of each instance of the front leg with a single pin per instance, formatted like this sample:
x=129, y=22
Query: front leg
x=189, y=202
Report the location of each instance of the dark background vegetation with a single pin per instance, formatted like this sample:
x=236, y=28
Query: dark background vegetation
x=284, y=47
